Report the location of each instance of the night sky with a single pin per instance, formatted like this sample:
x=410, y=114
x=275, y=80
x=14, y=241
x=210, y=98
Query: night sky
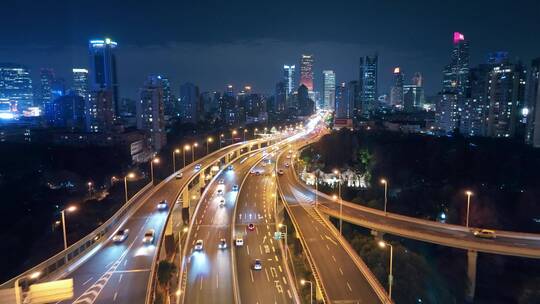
x=212, y=43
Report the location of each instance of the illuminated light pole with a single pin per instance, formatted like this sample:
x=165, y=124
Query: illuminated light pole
x=383, y=244
x=336, y=172
x=316, y=190
x=385, y=183
x=130, y=175
x=89, y=188
x=208, y=140
x=176, y=151
x=186, y=148
x=245, y=131
x=233, y=133
x=63, y=212
x=18, y=295
x=286, y=244
x=152, y=162
x=195, y=145
x=221, y=139
x=255, y=132
x=469, y=194
x=304, y=282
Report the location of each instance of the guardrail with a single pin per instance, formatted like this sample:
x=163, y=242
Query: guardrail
x=60, y=263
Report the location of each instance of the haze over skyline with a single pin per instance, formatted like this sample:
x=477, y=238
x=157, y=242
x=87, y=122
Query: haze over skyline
x=211, y=44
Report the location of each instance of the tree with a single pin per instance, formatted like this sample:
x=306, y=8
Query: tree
x=165, y=272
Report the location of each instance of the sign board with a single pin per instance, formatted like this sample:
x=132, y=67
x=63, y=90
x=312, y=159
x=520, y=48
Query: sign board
x=51, y=292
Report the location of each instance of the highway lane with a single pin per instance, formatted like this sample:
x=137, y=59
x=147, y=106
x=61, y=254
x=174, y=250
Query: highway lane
x=256, y=204
x=343, y=281
x=105, y=276
x=209, y=272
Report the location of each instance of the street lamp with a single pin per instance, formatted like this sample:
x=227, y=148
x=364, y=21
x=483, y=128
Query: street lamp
x=130, y=175
x=255, y=132
x=245, y=131
x=221, y=139
x=89, y=188
x=385, y=183
x=336, y=172
x=304, y=282
x=383, y=244
x=63, y=212
x=234, y=132
x=208, y=140
x=469, y=194
x=152, y=162
x=186, y=148
x=176, y=151
x=286, y=244
x=18, y=295
x=195, y=145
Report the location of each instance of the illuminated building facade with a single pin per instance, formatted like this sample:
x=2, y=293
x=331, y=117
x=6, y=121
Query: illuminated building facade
x=16, y=86
x=306, y=71
x=329, y=89
x=289, y=78
x=150, y=113
x=367, y=83
x=103, y=71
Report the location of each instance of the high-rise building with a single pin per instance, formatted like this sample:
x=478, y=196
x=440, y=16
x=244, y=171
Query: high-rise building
x=329, y=89
x=446, y=117
x=396, y=91
x=413, y=97
x=103, y=69
x=456, y=74
x=67, y=112
x=80, y=82
x=289, y=79
x=46, y=79
x=306, y=71
x=280, y=97
x=367, y=83
x=150, y=113
x=189, y=103
x=473, y=116
x=168, y=98
x=341, y=101
x=533, y=104
x=306, y=106
x=99, y=111
x=16, y=86
x=417, y=79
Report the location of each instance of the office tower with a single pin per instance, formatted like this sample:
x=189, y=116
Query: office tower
x=340, y=101
x=150, y=113
x=103, y=69
x=189, y=103
x=306, y=71
x=289, y=78
x=396, y=91
x=229, y=90
x=417, y=79
x=367, y=83
x=280, y=97
x=67, y=111
x=168, y=99
x=329, y=89
x=455, y=78
x=473, y=117
x=16, y=86
x=506, y=92
x=446, y=117
x=533, y=104
x=306, y=106
x=46, y=79
x=99, y=111
x=353, y=99
x=80, y=82
x=413, y=97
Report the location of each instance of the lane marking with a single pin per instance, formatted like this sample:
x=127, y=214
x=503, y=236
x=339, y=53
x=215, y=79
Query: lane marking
x=86, y=282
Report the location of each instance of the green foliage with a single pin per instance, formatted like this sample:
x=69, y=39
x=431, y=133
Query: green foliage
x=165, y=272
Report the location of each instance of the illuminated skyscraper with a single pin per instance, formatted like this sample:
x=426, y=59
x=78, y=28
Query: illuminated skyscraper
x=80, y=82
x=150, y=113
x=99, y=111
x=46, y=79
x=533, y=101
x=306, y=71
x=396, y=91
x=103, y=74
x=367, y=83
x=289, y=78
x=329, y=89
x=456, y=74
x=16, y=85
x=189, y=103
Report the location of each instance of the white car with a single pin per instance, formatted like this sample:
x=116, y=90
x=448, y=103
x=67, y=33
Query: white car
x=221, y=181
x=149, y=236
x=179, y=175
x=197, y=167
x=257, y=265
x=280, y=172
x=199, y=245
x=222, y=244
x=120, y=236
x=235, y=188
x=287, y=165
x=162, y=205
x=239, y=242
x=220, y=191
x=222, y=202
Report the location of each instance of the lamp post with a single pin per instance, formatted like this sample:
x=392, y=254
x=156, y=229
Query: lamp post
x=255, y=132
x=195, y=145
x=130, y=175
x=385, y=183
x=336, y=172
x=176, y=151
x=152, y=162
x=18, y=295
x=233, y=133
x=208, y=140
x=316, y=190
x=89, y=188
x=245, y=131
x=63, y=212
x=286, y=244
x=186, y=148
x=469, y=194
x=221, y=139
x=383, y=244
x=304, y=282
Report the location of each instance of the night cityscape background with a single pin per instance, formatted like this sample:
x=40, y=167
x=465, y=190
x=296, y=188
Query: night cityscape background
x=429, y=109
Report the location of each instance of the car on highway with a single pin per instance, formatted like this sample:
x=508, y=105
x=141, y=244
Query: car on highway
x=178, y=175
x=162, y=205
x=288, y=157
x=230, y=168
x=287, y=165
x=197, y=167
x=280, y=172
x=199, y=244
x=120, y=236
x=239, y=241
x=253, y=171
x=251, y=227
x=219, y=191
x=258, y=173
x=149, y=236
x=222, y=244
x=257, y=265
x=222, y=202
x=221, y=181
x=484, y=233
x=235, y=188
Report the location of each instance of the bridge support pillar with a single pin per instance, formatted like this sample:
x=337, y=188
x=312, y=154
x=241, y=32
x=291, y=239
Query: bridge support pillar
x=185, y=198
x=472, y=257
x=202, y=181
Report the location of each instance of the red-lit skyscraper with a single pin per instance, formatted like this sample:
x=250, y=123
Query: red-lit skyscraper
x=306, y=71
